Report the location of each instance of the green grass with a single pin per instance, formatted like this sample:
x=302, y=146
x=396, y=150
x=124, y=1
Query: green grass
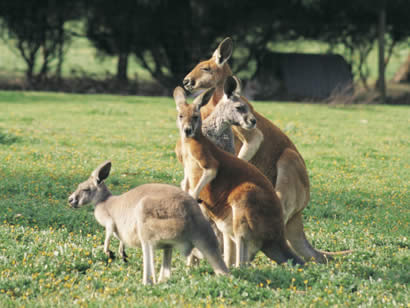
x=51, y=255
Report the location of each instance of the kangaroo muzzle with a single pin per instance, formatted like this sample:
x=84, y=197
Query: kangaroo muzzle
x=188, y=131
x=73, y=201
x=188, y=83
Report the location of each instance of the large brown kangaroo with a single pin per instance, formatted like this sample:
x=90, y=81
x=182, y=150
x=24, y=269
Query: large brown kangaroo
x=236, y=195
x=266, y=147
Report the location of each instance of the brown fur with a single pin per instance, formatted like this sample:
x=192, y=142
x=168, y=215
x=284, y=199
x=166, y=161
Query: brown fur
x=270, y=150
x=239, y=198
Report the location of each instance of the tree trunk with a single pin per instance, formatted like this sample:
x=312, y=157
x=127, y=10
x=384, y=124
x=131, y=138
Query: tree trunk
x=381, y=84
x=60, y=46
x=122, y=67
x=403, y=74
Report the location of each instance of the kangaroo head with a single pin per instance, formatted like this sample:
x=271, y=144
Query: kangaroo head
x=211, y=73
x=189, y=116
x=233, y=107
x=91, y=191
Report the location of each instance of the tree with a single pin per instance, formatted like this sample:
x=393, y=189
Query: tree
x=37, y=27
x=356, y=25
x=181, y=32
x=116, y=28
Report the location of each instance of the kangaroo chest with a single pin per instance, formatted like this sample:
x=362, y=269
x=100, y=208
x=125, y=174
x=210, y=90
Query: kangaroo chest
x=192, y=168
x=213, y=193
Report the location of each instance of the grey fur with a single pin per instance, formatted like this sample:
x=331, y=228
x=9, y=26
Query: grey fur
x=230, y=110
x=154, y=216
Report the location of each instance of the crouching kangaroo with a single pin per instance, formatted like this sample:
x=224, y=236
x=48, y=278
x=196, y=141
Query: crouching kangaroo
x=236, y=195
x=153, y=216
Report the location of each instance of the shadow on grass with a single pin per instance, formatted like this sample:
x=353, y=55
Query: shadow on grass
x=276, y=277
x=7, y=138
x=39, y=201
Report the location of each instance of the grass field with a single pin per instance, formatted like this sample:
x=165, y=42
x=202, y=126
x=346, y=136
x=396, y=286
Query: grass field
x=52, y=255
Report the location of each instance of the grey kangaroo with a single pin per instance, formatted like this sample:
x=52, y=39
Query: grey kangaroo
x=153, y=216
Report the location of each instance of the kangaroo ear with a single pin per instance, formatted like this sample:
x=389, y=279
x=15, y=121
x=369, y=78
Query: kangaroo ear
x=223, y=52
x=238, y=89
x=204, y=98
x=102, y=172
x=232, y=86
x=179, y=97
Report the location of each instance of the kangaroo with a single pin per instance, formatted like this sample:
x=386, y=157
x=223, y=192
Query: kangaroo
x=238, y=198
x=231, y=110
x=153, y=216
x=267, y=148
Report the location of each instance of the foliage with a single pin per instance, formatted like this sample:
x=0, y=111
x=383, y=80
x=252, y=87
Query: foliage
x=118, y=28
x=169, y=37
x=51, y=255
x=354, y=24
x=35, y=27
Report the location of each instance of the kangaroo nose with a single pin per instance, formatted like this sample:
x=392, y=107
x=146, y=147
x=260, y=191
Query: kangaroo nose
x=188, y=131
x=253, y=121
x=189, y=82
x=73, y=202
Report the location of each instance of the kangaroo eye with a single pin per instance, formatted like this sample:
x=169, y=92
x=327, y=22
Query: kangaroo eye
x=180, y=117
x=206, y=69
x=240, y=108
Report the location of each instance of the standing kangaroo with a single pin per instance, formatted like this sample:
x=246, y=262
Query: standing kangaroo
x=267, y=148
x=231, y=110
x=238, y=198
x=151, y=216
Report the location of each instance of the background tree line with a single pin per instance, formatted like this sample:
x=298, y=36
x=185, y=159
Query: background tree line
x=169, y=37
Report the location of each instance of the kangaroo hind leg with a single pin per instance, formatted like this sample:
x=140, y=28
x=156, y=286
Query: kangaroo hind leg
x=280, y=253
x=296, y=236
x=148, y=261
x=165, y=272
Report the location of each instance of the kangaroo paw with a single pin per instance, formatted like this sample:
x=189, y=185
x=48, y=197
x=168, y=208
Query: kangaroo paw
x=110, y=254
x=124, y=257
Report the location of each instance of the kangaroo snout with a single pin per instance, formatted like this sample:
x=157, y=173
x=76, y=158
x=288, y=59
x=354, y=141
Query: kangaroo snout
x=73, y=201
x=188, y=83
x=252, y=122
x=188, y=131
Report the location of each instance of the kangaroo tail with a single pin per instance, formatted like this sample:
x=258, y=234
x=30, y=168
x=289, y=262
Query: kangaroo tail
x=296, y=236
